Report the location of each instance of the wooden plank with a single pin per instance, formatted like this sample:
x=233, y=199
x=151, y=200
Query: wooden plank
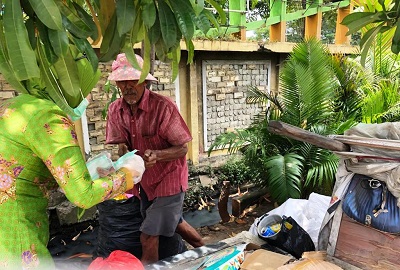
x=366, y=247
x=300, y=134
x=240, y=203
x=368, y=142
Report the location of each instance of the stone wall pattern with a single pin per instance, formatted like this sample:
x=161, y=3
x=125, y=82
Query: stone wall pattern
x=227, y=83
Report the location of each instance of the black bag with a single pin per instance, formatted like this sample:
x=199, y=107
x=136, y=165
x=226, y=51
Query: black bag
x=119, y=229
x=368, y=201
x=291, y=238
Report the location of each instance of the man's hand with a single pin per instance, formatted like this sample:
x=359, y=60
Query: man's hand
x=122, y=149
x=150, y=158
x=104, y=172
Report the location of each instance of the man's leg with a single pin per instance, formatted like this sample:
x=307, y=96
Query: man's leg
x=189, y=234
x=149, y=248
x=161, y=217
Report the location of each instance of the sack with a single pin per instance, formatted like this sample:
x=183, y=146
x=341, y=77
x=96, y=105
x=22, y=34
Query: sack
x=291, y=237
x=368, y=201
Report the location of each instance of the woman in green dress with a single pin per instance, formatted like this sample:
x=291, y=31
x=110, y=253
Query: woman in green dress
x=39, y=152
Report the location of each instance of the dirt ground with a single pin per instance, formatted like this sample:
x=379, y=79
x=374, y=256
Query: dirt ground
x=72, y=246
x=220, y=231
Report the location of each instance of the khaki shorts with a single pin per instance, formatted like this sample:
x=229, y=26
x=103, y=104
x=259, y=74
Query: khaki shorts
x=162, y=215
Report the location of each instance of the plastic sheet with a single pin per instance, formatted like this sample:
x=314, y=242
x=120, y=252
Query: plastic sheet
x=118, y=259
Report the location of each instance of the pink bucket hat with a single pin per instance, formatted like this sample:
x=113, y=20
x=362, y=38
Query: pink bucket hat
x=122, y=70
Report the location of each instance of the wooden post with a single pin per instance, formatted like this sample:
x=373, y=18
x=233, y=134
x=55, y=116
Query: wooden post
x=223, y=202
x=299, y=134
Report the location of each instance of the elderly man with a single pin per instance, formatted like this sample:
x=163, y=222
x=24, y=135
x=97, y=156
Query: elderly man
x=151, y=123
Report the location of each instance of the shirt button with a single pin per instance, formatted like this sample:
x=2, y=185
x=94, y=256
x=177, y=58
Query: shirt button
x=133, y=135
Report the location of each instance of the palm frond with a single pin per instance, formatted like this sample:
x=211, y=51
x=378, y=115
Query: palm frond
x=284, y=175
x=320, y=167
x=307, y=85
x=233, y=141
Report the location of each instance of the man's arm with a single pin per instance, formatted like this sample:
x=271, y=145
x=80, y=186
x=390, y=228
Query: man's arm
x=150, y=157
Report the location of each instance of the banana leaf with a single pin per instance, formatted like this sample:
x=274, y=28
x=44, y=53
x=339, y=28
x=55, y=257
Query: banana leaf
x=48, y=13
x=52, y=87
x=69, y=79
x=5, y=66
x=22, y=57
x=126, y=14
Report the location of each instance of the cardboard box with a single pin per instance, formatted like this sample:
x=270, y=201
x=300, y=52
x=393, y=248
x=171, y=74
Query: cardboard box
x=262, y=259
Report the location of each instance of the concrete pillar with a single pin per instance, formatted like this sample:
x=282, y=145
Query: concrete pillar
x=313, y=26
x=341, y=30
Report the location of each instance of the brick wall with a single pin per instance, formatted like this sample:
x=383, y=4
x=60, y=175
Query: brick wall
x=6, y=90
x=224, y=95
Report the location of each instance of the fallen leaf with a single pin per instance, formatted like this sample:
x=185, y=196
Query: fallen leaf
x=76, y=236
x=90, y=228
x=214, y=228
x=240, y=221
x=80, y=255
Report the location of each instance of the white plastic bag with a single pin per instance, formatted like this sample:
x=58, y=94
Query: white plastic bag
x=132, y=162
x=103, y=161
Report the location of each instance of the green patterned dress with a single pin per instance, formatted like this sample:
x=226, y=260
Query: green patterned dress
x=39, y=152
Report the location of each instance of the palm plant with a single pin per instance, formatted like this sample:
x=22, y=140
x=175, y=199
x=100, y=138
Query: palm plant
x=290, y=168
x=370, y=93
x=323, y=94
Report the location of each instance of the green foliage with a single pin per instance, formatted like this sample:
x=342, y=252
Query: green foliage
x=236, y=171
x=320, y=93
x=284, y=174
x=112, y=89
x=375, y=18
x=195, y=194
x=44, y=47
x=288, y=167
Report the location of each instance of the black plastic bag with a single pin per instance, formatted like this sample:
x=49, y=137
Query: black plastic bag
x=119, y=229
x=292, y=238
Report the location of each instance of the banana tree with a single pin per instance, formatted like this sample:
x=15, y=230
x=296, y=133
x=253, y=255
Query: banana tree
x=46, y=45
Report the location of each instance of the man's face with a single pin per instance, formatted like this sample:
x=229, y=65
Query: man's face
x=131, y=91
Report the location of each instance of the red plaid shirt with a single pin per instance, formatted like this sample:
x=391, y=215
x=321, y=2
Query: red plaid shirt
x=156, y=125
